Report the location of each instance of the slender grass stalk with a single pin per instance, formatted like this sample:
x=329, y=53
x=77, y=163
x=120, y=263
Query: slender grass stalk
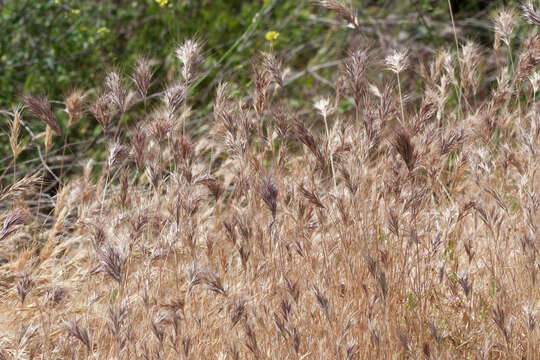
x=104, y=192
x=63, y=154
x=328, y=150
x=518, y=92
x=400, y=99
x=42, y=179
x=457, y=86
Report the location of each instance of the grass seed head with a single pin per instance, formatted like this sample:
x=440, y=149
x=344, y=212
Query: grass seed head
x=75, y=106
x=41, y=108
x=142, y=76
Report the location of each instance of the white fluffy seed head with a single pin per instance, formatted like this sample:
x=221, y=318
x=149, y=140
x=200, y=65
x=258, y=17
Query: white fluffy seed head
x=397, y=62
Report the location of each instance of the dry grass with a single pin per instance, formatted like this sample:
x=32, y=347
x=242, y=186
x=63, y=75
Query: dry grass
x=401, y=229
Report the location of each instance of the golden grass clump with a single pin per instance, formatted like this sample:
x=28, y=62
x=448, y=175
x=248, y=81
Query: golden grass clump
x=405, y=225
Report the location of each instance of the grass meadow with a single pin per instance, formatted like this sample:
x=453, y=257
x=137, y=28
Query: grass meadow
x=395, y=216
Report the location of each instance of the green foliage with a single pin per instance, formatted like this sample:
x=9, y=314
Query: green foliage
x=51, y=46
x=411, y=302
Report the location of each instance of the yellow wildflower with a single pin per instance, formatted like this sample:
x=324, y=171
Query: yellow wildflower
x=162, y=3
x=271, y=36
x=76, y=11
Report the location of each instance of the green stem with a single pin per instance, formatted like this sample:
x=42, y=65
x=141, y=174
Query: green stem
x=255, y=21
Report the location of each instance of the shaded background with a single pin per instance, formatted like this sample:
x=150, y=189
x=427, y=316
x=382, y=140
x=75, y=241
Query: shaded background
x=51, y=46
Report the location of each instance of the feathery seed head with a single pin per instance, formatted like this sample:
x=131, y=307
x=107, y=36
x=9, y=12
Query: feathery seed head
x=261, y=81
x=78, y=332
x=404, y=146
x=355, y=68
x=189, y=54
x=529, y=59
x=269, y=193
x=161, y=127
x=397, y=61
x=74, y=106
x=342, y=11
x=10, y=223
x=174, y=97
x=323, y=106
x=273, y=67
x=14, y=131
x=101, y=109
x=23, y=285
x=142, y=76
x=117, y=154
x=529, y=14
x=504, y=25
x=138, y=145
x=41, y=108
x=23, y=187
x=118, y=92
x=471, y=57
x=111, y=262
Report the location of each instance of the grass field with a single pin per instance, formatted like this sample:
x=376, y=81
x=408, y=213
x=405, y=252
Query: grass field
x=395, y=217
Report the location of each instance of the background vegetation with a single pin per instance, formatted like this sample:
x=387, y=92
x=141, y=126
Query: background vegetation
x=52, y=46
x=66, y=41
